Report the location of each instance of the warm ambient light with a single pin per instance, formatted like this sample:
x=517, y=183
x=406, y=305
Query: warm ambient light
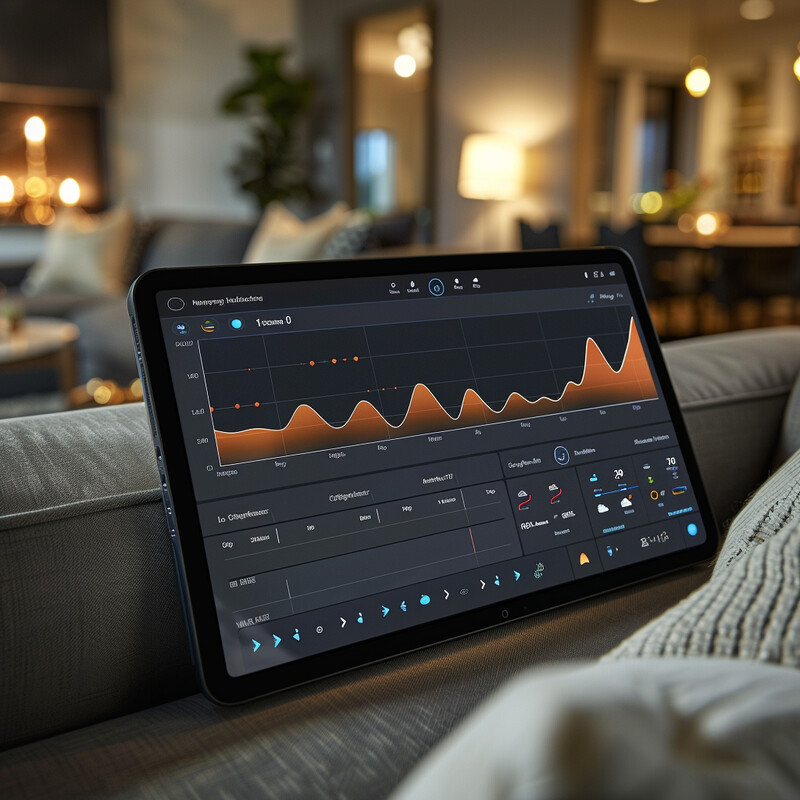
x=756, y=9
x=651, y=202
x=405, y=66
x=797, y=68
x=69, y=192
x=35, y=187
x=35, y=129
x=706, y=224
x=697, y=82
x=491, y=167
x=6, y=189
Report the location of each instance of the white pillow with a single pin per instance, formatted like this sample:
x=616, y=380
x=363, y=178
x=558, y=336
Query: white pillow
x=83, y=253
x=281, y=236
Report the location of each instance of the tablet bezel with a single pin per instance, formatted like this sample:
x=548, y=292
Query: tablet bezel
x=181, y=504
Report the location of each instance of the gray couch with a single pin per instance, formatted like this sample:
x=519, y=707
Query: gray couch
x=105, y=348
x=97, y=691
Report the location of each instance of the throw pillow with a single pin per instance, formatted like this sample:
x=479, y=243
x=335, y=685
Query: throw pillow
x=349, y=240
x=282, y=236
x=83, y=253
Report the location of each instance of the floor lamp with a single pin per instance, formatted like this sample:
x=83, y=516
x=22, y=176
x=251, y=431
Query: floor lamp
x=491, y=168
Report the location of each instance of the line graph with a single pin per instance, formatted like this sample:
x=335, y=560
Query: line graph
x=467, y=376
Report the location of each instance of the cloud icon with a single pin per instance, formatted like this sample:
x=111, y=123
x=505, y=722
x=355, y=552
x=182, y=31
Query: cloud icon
x=601, y=508
x=626, y=502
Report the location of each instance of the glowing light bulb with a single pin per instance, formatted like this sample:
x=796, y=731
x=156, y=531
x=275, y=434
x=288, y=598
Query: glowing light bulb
x=697, y=82
x=706, y=224
x=35, y=129
x=797, y=68
x=405, y=65
x=69, y=192
x=6, y=189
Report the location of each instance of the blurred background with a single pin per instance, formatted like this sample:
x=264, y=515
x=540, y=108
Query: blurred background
x=138, y=134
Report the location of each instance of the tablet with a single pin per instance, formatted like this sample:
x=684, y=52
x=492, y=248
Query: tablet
x=360, y=458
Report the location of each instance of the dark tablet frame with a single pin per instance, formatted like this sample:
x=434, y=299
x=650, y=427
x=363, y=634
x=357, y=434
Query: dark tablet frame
x=181, y=506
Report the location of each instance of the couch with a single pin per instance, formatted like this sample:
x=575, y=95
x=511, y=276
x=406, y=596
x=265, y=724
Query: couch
x=97, y=693
x=105, y=348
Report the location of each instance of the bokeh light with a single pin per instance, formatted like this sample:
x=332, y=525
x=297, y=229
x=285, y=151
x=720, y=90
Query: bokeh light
x=35, y=129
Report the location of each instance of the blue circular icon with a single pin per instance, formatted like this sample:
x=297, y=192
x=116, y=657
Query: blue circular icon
x=691, y=529
x=424, y=600
x=236, y=324
x=561, y=455
x=435, y=287
x=181, y=328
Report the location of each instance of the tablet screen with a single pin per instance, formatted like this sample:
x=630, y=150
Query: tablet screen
x=370, y=454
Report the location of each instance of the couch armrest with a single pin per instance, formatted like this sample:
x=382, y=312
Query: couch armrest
x=733, y=389
x=90, y=620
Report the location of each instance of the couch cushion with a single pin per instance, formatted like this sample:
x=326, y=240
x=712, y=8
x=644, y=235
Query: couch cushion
x=180, y=243
x=54, y=304
x=733, y=391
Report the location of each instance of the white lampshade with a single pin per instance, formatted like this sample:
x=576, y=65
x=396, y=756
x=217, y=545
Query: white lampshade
x=491, y=167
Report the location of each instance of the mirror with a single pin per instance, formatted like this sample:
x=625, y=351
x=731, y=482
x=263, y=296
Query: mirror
x=391, y=121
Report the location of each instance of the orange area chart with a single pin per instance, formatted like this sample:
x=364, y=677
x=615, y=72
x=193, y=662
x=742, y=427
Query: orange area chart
x=307, y=431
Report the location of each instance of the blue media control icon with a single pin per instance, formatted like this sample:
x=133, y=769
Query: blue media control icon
x=561, y=455
x=276, y=639
x=436, y=287
x=691, y=529
x=256, y=645
x=424, y=600
x=237, y=324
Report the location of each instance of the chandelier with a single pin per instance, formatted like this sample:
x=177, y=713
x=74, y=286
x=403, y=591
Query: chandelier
x=36, y=195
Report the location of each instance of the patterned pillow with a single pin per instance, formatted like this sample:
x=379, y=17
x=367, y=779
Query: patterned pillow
x=348, y=242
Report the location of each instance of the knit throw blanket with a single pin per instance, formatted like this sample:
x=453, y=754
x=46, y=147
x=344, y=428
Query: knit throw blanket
x=750, y=607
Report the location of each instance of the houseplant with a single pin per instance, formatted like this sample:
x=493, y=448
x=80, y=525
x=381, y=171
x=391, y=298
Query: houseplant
x=273, y=104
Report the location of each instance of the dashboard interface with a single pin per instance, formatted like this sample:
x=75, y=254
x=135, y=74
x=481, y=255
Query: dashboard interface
x=374, y=453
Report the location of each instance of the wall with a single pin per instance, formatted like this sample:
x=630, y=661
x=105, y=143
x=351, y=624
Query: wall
x=169, y=146
x=508, y=66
